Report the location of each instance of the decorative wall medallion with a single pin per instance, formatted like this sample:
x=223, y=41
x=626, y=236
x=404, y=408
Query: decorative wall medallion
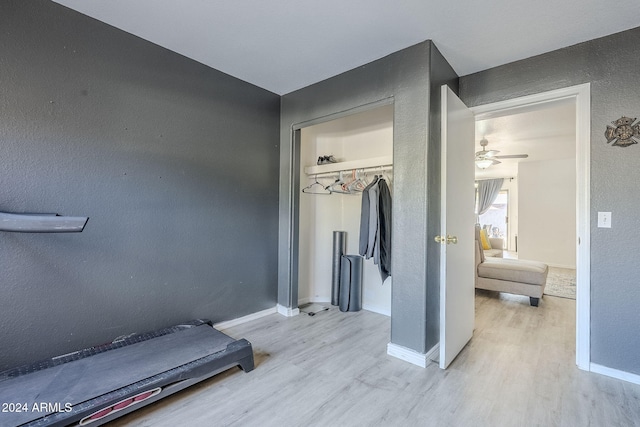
x=624, y=134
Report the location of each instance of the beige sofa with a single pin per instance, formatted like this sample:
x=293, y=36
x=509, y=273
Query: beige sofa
x=496, y=248
x=513, y=276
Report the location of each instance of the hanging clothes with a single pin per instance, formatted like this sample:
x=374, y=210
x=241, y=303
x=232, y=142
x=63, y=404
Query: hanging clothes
x=375, y=225
x=364, y=218
x=384, y=226
x=374, y=231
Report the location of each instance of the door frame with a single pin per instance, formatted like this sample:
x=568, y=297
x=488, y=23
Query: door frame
x=581, y=95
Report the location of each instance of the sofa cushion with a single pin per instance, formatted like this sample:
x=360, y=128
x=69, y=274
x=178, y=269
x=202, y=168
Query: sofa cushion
x=484, y=239
x=514, y=270
x=493, y=253
x=496, y=242
x=481, y=252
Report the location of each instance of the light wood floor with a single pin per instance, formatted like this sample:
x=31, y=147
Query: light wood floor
x=332, y=370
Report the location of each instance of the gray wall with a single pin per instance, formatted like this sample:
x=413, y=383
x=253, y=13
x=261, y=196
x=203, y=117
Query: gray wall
x=405, y=77
x=176, y=165
x=611, y=65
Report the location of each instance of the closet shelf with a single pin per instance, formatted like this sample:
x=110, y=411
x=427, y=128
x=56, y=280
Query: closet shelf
x=372, y=162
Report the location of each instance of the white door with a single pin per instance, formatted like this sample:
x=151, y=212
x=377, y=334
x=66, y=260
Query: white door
x=457, y=293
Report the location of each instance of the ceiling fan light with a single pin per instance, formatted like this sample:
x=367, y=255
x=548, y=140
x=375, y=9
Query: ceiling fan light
x=484, y=163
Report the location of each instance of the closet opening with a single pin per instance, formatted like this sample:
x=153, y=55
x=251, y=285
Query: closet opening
x=337, y=159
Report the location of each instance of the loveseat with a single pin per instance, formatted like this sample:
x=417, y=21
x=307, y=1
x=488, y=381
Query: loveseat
x=513, y=276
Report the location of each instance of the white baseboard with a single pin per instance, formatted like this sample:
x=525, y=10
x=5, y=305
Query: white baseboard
x=434, y=353
x=377, y=309
x=614, y=373
x=326, y=300
x=288, y=311
x=408, y=355
x=235, y=322
x=320, y=300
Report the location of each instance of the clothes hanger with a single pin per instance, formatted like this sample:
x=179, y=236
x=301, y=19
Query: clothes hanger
x=375, y=179
x=347, y=186
x=389, y=180
x=312, y=189
x=358, y=184
x=337, y=186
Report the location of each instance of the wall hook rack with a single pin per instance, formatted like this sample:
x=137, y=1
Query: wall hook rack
x=41, y=223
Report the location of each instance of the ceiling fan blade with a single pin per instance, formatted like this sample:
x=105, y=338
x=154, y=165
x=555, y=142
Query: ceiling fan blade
x=485, y=162
x=513, y=156
x=487, y=153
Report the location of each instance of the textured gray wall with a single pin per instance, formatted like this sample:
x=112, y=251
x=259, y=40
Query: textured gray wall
x=611, y=65
x=405, y=77
x=176, y=165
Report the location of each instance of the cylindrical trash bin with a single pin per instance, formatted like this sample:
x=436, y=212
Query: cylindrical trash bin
x=351, y=270
x=339, y=248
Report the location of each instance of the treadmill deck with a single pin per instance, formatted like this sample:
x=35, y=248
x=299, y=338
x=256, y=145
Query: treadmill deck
x=64, y=390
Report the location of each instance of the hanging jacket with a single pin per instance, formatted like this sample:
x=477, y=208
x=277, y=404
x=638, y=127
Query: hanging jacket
x=384, y=226
x=364, y=218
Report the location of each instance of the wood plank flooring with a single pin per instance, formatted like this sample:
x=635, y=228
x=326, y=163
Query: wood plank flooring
x=332, y=370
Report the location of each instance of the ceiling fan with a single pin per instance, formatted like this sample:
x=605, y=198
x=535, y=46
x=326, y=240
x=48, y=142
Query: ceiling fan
x=486, y=158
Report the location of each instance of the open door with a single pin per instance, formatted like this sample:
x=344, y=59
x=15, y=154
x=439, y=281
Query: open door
x=457, y=293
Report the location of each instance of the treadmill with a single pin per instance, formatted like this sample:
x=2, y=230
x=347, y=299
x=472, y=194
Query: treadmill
x=99, y=384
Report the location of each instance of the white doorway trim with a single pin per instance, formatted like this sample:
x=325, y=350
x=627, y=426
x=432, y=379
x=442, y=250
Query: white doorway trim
x=581, y=95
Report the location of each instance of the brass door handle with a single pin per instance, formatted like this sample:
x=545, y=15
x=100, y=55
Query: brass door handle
x=446, y=240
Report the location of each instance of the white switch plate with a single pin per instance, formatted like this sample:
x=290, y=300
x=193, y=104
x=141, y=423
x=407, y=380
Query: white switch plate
x=604, y=219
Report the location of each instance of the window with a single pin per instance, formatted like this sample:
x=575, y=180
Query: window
x=496, y=219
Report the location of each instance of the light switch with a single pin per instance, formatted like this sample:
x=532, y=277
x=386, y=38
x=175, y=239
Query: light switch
x=604, y=219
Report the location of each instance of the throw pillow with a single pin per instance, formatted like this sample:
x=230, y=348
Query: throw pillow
x=484, y=239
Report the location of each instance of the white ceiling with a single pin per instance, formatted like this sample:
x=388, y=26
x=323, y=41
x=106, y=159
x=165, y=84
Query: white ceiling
x=285, y=45
x=548, y=132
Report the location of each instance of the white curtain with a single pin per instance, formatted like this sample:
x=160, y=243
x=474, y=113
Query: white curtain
x=486, y=193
